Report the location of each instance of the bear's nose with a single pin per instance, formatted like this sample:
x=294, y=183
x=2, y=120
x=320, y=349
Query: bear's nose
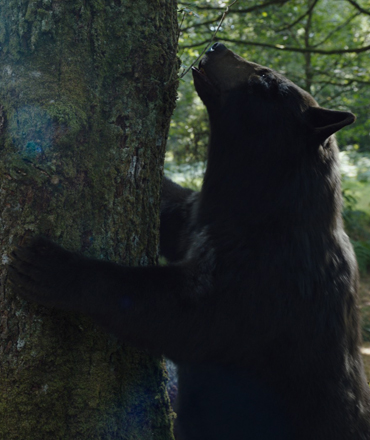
x=217, y=47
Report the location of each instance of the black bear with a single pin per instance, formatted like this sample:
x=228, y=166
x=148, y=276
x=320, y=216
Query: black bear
x=258, y=306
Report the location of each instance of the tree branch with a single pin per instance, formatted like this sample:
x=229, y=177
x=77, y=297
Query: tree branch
x=204, y=23
x=349, y=82
x=235, y=11
x=338, y=28
x=301, y=17
x=285, y=48
x=358, y=7
x=251, y=9
x=338, y=80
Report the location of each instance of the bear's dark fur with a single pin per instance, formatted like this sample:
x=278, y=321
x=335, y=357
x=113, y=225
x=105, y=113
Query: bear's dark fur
x=258, y=307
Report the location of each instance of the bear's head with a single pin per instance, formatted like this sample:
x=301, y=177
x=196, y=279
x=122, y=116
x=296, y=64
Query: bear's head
x=257, y=97
x=271, y=152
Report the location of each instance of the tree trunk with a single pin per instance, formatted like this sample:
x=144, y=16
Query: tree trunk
x=86, y=94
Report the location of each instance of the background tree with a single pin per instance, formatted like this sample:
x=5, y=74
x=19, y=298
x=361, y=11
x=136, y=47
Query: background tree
x=86, y=95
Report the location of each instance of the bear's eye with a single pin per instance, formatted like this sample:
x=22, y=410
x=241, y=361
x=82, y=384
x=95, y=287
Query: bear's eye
x=263, y=73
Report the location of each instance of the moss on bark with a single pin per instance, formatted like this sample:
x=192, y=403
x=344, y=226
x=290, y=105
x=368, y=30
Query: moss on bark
x=86, y=95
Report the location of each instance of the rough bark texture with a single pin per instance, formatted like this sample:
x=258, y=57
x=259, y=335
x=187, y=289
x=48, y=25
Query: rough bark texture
x=86, y=94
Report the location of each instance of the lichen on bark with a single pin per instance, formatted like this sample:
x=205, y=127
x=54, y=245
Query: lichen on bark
x=86, y=95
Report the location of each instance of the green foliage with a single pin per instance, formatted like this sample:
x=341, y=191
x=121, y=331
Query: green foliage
x=189, y=127
x=188, y=175
x=362, y=250
x=357, y=225
x=361, y=162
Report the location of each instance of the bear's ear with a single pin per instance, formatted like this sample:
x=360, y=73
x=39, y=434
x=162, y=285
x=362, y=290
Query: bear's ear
x=326, y=122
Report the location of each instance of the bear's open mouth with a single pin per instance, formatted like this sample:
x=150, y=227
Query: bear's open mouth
x=201, y=73
x=201, y=70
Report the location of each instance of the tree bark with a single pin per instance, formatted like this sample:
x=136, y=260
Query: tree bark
x=86, y=93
